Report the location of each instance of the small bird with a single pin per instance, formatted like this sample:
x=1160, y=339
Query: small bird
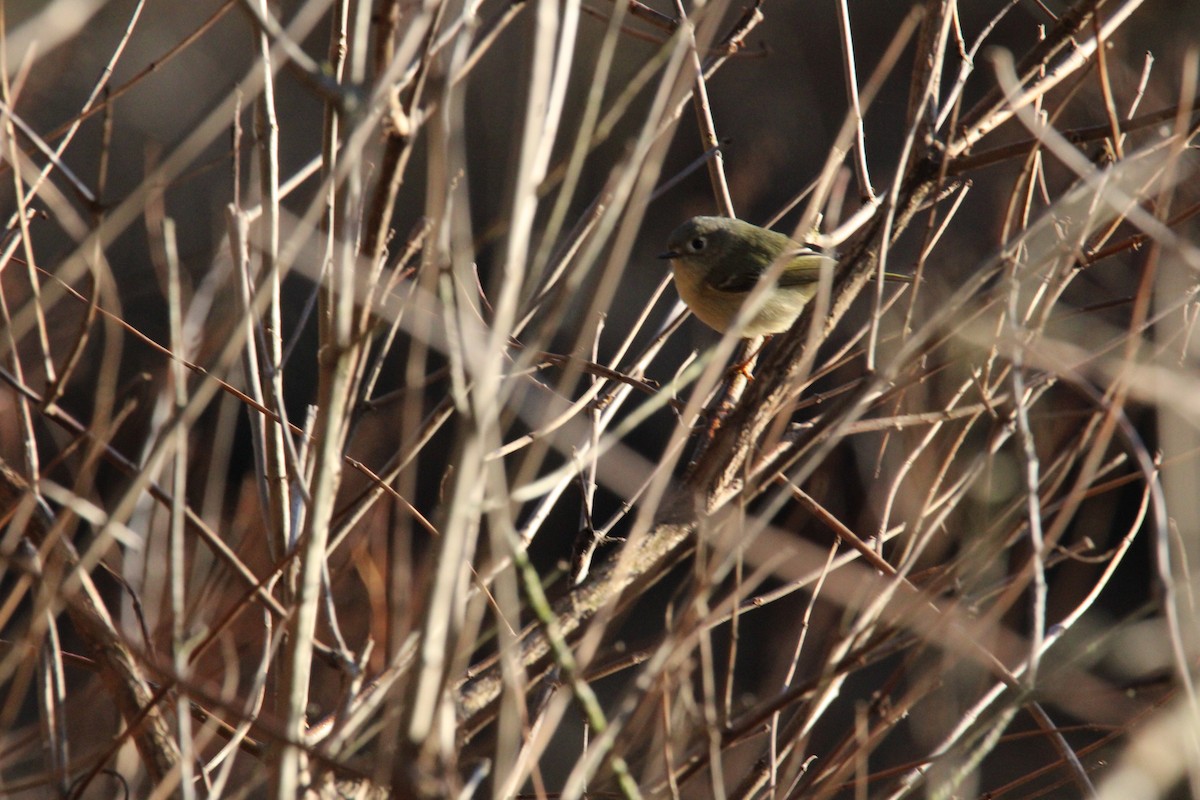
x=718, y=260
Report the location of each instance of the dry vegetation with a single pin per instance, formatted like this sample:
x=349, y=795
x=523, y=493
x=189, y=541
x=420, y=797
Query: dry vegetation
x=354, y=444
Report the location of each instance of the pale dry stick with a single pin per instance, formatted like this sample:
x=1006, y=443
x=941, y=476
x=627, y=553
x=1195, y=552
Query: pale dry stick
x=276, y=452
x=587, y=474
x=1037, y=557
x=337, y=394
x=735, y=633
x=75, y=227
x=708, y=696
x=32, y=462
x=1110, y=106
x=1070, y=757
x=1179, y=599
x=1030, y=473
x=547, y=87
x=21, y=217
x=1019, y=209
x=179, y=473
x=301, y=175
x=266, y=421
x=53, y=699
x=772, y=771
x=703, y=583
x=255, y=696
x=377, y=299
x=627, y=183
x=704, y=118
x=341, y=371
x=149, y=584
x=1140, y=92
x=731, y=43
x=668, y=749
x=604, y=129
x=936, y=235
x=337, y=379
x=526, y=766
x=862, y=173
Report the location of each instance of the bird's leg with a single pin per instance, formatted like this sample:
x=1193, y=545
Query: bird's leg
x=736, y=378
x=743, y=366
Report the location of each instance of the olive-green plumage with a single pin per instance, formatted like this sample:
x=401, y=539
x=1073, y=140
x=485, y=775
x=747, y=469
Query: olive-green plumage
x=718, y=260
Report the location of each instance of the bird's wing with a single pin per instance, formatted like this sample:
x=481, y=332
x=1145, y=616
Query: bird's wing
x=736, y=282
x=805, y=267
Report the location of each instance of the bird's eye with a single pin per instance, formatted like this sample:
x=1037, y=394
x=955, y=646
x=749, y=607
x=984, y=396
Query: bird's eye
x=697, y=244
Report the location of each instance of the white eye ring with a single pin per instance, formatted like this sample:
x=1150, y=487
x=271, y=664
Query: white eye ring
x=697, y=244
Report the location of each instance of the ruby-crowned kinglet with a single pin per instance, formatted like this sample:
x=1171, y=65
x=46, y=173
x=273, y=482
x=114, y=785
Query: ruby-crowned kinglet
x=718, y=260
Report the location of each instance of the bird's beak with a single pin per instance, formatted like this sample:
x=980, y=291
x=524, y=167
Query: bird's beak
x=669, y=254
